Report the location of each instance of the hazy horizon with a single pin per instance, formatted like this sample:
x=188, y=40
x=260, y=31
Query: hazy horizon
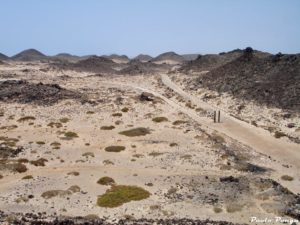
x=148, y=27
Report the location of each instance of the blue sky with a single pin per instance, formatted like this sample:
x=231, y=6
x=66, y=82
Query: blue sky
x=148, y=26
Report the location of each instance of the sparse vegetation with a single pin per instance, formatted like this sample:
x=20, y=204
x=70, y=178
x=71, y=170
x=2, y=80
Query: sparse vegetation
x=140, y=131
x=117, y=114
x=106, y=181
x=88, y=154
x=125, y=109
x=40, y=142
x=279, y=134
x=115, y=148
x=26, y=118
x=287, y=178
x=120, y=194
x=70, y=135
x=160, y=119
x=217, y=210
x=28, y=177
x=155, y=154
x=39, y=162
x=178, y=122
x=64, y=120
x=73, y=173
x=107, y=127
x=173, y=144
x=90, y=112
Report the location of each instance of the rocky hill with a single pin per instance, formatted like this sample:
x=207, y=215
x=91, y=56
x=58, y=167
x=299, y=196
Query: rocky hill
x=272, y=80
x=168, y=58
x=92, y=64
x=118, y=58
x=29, y=55
x=3, y=57
x=136, y=67
x=143, y=58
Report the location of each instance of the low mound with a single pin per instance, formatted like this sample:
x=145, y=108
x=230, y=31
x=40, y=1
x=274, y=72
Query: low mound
x=42, y=94
x=136, y=67
x=143, y=58
x=273, y=80
x=29, y=55
x=168, y=58
x=92, y=64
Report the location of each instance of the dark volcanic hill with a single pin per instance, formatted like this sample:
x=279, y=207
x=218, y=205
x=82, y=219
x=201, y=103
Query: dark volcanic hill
x=94, y=64
x=272, y=80
x=190, y=57
x=66, y=57
x=118, y=58
x=143, y=58
x=136, y=67
x=3, y=57
x=29, y=55
x=212, y=61
x=168, y=57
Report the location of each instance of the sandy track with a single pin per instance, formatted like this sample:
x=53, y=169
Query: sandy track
x=257, y=138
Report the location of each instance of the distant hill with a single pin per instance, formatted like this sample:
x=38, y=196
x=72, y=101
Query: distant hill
x=190, y=57
x=118, y=58
x=94, y=64
x=268, y=79
x=3, y=57
x=29, y=55
x=136, y=67
x=168, y=58
x=212, y=61
x=143, y=58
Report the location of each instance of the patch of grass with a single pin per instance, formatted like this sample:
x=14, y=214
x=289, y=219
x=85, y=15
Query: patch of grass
x=160, y=119
x=155, y=154
x=70, y=134
x=55, y=144
x=217, y=138
x=120, y=194
x=90, y=112
x=28, y=177
x=54, y=124
x=187, y=156
x=88, y=154
x=107, y=162
x=233, y=207
x=40, y=142
x=173, y=144
x=138, y=155
x=125, y=109
x=140, y=131
x=279, y=134
x=117, y=114
x=106, y=181
x=39, y=162
x=287, y=178
x=217, y=210
x=14, y=167
x=107, y=127
x=178, y=122
x=64, y=120
x=73, y=173
x=115, y=148
x=26, y=118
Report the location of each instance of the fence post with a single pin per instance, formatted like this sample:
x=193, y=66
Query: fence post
x=215, y=116
x=219, y=116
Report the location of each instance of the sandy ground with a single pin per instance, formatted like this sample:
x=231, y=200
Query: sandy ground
x=180, y=165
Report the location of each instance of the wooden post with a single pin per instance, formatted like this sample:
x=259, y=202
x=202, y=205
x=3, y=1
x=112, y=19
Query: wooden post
x=215, y=116
x=219, y=116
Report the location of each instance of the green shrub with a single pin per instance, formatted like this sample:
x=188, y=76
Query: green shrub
x=27, y=177
x=160, y=119
x=115, y=148
x=64, y=120
x=125, y=109
x=106, y=181
x=287, y=178
x=107, y=127
x=40, y=142
x=140, y=131
x=26, y=118
x=120, y=194
x=70, y=134
x=117, y=114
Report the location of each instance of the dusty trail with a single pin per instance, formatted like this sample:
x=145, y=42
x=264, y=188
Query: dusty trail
x=257, y=138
